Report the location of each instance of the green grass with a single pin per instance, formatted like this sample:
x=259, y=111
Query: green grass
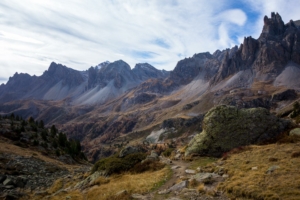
x=114, y=164
x=163, y=181
x=202, y=162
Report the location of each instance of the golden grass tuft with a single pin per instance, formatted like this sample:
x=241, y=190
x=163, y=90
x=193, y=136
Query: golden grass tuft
x=282, y=183
x=133, y=183
x=107, y=188
x=193, y=183
x=75, y=195
x=101, y=180
x=201, y=188
x=212, y=193
x=57, y=185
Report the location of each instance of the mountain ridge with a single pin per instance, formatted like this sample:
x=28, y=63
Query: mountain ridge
x=115, y=102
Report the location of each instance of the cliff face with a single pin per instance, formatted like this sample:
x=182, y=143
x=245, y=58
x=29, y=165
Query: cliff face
x=266, y=56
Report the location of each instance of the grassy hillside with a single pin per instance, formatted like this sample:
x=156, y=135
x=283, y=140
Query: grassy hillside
x=264, y=172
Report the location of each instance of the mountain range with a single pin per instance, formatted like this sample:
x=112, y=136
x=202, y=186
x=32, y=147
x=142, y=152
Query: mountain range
x=110, y=104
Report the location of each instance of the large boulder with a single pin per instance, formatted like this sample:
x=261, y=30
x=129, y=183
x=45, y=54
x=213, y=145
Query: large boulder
x=295, y=131
x=227, y=127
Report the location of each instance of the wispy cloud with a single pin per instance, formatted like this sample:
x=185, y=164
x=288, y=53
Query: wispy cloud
x=80, y=34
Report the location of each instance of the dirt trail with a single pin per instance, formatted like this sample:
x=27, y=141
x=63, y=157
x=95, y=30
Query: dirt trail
x=180, y=171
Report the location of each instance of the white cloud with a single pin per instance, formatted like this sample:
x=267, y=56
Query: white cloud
x=80, y=34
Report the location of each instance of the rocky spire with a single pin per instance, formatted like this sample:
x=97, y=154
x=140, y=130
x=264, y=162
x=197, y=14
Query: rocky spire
x=273, y=26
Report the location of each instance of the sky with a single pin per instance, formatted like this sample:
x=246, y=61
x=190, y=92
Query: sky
x=80, y=34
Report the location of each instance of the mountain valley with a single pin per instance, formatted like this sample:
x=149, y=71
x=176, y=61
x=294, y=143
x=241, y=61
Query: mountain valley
x=219, y=106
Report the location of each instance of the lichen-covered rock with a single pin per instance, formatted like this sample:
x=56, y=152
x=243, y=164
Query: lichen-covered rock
x=152, y=157
x=227, y=127
x=295, y=131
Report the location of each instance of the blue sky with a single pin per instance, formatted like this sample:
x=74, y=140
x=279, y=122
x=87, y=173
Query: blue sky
x=80, y=34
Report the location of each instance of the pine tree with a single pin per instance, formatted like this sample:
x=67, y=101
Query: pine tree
x=31, y=120
x=41, y=124
x=62, y=139
x=53, y=130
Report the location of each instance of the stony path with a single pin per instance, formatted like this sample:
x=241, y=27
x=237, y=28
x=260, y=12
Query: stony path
x=178, y=171
x=178, y=168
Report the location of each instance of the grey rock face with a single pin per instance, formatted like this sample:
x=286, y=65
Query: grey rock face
x=128, y=150
x=295, y=131
x=57, y=72
x=179, y=186
x=152, y=157
x=2, y=178
x=144, y=71
x=29, y=172
x=8, y=181
x=186, y=70
x=287, y=94
x=23, y=86
x=206, y=177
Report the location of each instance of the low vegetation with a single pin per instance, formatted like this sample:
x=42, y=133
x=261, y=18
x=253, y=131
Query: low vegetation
x=264, y=172
x=115, y=165
x=168, y=152
x=107, y=188
x=295, y=114
x=132, y=183
x=202, y=162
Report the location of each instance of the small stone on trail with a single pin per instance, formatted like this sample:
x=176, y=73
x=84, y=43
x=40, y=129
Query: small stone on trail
x=190, y=171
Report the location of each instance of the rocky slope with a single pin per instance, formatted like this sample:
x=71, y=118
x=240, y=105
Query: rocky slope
x=33, y=157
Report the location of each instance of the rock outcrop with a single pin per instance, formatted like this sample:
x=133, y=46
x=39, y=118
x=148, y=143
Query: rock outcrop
x=227, y=127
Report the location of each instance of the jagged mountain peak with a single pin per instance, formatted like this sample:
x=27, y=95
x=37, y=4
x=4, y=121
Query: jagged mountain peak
x=18, y=79
x=103, y=64
x=57, y=72
x=143, y=66
x=202, y=55
x=117, y=66
x=144, y=71
x=54, y=66
x=273, y=26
